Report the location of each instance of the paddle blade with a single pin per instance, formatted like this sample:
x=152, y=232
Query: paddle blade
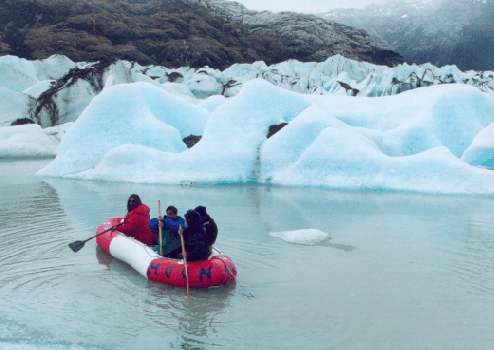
x=76, y=246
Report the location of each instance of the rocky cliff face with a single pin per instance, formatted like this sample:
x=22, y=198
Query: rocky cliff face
x=175, y=33
x=304, y=37
x=441, y=32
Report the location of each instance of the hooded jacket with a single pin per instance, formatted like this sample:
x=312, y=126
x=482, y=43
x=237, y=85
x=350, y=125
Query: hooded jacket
x=136, y=225
x=209, y=225
x=195, y=238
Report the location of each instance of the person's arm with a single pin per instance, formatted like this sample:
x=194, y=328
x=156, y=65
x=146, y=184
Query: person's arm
x=130, y=225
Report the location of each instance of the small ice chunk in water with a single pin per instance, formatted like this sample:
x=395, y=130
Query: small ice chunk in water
x=304, y=237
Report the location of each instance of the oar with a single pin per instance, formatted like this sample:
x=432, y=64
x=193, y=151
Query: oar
x=78, y=245
x=160, y=229
x=218, y=251
x=184, y=254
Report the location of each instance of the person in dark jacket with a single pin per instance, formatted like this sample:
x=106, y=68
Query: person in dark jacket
x=136, y=223
x=196, y=243
x=209, y=226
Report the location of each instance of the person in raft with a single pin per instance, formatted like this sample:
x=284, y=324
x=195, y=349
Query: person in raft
x=196, y=242
x=209, y=226
x=136, y=223
x=170, y=225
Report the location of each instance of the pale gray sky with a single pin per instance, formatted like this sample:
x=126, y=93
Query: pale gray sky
x=310, y=6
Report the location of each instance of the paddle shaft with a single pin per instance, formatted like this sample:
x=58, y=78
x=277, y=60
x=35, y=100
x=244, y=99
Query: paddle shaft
x=105, y=231
x=160, y=229
x=218, y=251
x=78, y=245
x=184, y=254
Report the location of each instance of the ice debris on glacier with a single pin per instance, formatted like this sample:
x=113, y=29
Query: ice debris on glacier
x=14, y=105
x=337, y=75
x=415, y=141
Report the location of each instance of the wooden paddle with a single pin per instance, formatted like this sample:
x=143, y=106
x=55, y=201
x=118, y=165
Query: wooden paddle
x=160, y=229
x=218, y=251
x=78, y=245
x=184, y=254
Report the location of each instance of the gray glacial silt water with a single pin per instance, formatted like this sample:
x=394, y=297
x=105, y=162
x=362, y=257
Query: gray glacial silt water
x=400, y=271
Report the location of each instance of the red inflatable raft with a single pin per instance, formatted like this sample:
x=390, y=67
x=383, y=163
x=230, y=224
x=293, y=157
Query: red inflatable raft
x=217, y=270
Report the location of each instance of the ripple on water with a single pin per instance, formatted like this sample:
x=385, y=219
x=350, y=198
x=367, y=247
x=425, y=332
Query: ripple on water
x=17, y=336
x=285, y=293
x=473, y=259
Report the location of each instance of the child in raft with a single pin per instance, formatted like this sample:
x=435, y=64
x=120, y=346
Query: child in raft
x=169, y=224
x=193, y=230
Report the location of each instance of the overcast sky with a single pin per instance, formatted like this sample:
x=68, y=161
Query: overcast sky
x=310, y=6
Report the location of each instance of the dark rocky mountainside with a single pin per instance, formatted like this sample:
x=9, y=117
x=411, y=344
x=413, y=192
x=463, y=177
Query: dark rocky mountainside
x=175, y=33
x=438, y=31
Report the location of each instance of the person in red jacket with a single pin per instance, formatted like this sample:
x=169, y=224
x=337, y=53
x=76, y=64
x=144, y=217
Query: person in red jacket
x=136, y=223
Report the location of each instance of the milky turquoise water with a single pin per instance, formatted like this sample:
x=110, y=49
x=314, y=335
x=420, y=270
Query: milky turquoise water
x=401, y=271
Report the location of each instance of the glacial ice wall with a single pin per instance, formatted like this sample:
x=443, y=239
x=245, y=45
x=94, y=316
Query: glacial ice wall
x=416, y=141
x=56, y=90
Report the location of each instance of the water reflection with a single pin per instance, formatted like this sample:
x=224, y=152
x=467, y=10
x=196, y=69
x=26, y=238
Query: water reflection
x=199, y=316
x=103, y=258
x=194, y=319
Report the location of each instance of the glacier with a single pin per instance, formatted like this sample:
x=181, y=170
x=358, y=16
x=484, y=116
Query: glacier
x=26, y=141
x=131, y=115
x=339, y=124
x=423, y=140
x=481, y=151
x=20, y=74
x=15, y=105
x=56, y=90
x=31, y=141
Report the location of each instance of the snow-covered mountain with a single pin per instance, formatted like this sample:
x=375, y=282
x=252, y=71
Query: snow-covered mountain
x=56, y=90
x=438, y=31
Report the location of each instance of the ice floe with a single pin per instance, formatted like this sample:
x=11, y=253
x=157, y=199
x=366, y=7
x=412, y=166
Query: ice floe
x=303, y=237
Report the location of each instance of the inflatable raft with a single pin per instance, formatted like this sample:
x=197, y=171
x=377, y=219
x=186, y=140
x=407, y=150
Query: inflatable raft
x=217, y=270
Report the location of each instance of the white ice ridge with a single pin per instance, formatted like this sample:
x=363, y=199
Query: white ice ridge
x=303, y=237
x=25, y=81
x=481, y=151
x=19, y=74
x=31, y=141
x=26, y=141
x=414, y=141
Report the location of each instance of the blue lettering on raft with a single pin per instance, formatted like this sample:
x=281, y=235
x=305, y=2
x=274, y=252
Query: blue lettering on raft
x=168, y=271
x=205, y=272
x=154, y=268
